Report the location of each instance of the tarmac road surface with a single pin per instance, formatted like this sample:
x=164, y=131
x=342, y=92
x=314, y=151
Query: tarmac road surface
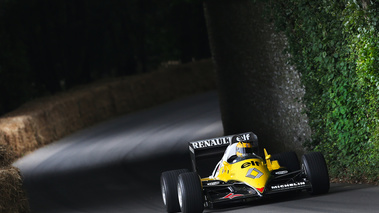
x=115, y=166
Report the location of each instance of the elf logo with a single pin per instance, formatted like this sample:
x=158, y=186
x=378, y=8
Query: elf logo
x=244, y=137
x=248, y=164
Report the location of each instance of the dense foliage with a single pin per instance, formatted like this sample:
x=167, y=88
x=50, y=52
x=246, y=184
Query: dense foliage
x=335, y=46
x=49, y=46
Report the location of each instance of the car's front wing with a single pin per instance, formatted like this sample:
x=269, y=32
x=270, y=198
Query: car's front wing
x=220, y=192
x=228, y=193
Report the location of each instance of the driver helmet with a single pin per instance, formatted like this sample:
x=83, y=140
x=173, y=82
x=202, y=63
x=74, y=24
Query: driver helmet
x=244, y=149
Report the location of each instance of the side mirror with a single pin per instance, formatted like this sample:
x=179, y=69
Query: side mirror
x=267, y=156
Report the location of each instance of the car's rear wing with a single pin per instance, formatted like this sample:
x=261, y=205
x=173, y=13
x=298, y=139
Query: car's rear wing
x=213, y=149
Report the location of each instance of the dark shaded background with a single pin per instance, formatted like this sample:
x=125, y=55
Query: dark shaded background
x=51, y=46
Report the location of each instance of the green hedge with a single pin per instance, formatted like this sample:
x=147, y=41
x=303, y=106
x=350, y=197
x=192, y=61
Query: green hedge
x=335, y=47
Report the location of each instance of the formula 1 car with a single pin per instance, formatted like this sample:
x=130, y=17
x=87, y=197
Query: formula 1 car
x=240, y=175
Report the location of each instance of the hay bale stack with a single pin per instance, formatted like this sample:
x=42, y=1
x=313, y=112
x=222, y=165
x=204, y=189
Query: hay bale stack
x=12, y=195
x=44, y=120
x=6, y=156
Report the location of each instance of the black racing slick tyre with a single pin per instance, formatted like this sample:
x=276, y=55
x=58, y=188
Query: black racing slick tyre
x=288, y=160
x=169, y=184
x=316, y=171
x=190, y=193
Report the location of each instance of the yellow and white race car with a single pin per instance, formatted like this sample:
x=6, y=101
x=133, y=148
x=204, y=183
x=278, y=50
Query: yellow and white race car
x=240, y=175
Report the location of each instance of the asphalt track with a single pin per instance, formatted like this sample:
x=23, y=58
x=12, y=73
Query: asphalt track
x=115, y=166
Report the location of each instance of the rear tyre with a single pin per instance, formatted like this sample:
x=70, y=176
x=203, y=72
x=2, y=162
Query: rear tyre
x=190, y=193
x=314, y=167
x=288, y=160
x=169, y=183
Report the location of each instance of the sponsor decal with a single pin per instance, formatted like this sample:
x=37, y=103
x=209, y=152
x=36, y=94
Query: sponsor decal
x=210, y=143
x=244, y=137
x=232, y=195
x=257, y=173
x=289, y=185
x=281, y=172
x=213, y=183
x=247, y=164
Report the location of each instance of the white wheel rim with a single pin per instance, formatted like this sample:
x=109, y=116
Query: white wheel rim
x=180, y=198
x=305, y=170
x=164, y=194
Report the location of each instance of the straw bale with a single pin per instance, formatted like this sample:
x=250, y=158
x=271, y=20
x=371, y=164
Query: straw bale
x=12, y=196
x=6, y=155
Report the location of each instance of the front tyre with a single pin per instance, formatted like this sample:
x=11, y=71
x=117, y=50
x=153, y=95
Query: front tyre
x=169, y=182
x=314, y=166
x=190, y=193
x=288, y=160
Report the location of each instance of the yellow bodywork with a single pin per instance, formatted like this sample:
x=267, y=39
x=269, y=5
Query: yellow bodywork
x=254, y=172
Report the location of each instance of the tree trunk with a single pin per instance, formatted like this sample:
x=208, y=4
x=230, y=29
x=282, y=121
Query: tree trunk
x=258, y=91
